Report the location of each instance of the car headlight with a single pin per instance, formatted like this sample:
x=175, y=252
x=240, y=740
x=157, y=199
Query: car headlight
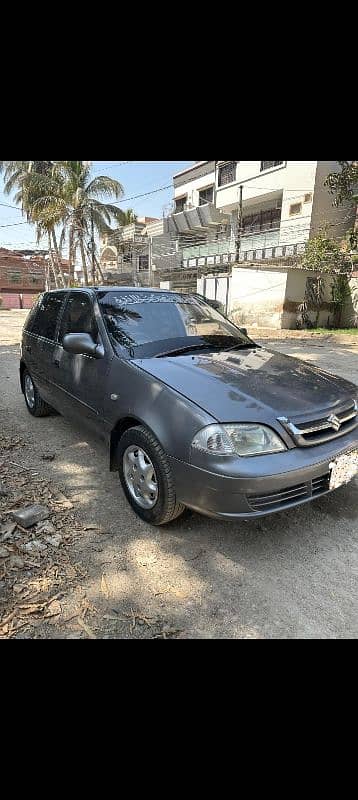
x=239, y=439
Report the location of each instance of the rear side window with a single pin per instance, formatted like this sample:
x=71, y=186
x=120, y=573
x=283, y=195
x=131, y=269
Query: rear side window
x=30, y=319
x=78, y=317
x=48, y=312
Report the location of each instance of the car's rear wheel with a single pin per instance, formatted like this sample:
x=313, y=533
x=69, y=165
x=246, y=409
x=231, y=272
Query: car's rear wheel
x=146, y=477
x=35, y=404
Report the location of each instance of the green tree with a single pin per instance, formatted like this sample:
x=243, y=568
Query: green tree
x=324, y=257
x=66, y=194
x=25, y=180
x=341, y=292
x=74, y=195
x=323, y=254
x=344, y=184
x=129, y=217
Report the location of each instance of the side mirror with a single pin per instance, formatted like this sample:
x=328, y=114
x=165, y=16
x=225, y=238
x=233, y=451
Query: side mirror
x=244, y=331
x=82, y=344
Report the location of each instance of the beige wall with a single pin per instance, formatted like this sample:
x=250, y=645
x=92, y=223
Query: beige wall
x=257, y=297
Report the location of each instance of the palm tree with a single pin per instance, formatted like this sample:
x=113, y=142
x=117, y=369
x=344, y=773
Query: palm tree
x=64, y=192
x=129, y=217
x=73, y=194
x=25, y=179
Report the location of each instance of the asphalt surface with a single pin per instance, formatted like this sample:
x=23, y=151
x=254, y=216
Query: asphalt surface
x=292, y=575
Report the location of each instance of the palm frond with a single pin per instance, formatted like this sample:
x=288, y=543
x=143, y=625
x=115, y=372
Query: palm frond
x=103, y=186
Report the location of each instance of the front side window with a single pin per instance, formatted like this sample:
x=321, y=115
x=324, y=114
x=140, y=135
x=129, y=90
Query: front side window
x=48, y=312
x=78, y=317
x=30, y=319
x=146, y=324
x=227, y=173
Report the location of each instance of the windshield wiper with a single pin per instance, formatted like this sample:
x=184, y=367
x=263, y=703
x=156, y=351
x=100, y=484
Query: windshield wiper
x=180, y=350
x=241, y=346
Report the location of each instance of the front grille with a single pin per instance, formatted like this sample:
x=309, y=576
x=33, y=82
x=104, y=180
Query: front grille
x=295, y=494
x=334, y=424
x=321, y=484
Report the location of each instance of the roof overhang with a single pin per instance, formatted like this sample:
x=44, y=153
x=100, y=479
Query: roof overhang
x=201, y=219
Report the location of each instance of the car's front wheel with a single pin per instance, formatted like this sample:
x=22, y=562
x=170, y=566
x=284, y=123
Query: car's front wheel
x=146, y=477
x=35, y=404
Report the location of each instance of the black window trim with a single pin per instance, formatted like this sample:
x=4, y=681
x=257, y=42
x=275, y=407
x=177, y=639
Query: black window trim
x=94, y=304
x=40, y=300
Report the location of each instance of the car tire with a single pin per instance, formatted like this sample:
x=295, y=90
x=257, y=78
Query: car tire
x=135, y=443
x=35, y=404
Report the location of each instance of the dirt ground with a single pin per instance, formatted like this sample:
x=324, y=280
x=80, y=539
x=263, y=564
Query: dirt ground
x=292, y=575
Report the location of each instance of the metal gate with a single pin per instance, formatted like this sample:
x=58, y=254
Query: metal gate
x=10, y=300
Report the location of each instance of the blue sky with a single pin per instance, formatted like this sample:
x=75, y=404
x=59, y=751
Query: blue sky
x=137, y=177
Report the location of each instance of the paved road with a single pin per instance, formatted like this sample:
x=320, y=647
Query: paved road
x=289, y=576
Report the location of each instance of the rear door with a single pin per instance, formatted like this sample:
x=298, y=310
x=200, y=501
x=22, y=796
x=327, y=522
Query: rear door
x=81, y=379
x=40, y=342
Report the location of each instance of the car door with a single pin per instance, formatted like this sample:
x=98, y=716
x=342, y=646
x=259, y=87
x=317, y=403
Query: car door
x=40, y=342
x=81, y=379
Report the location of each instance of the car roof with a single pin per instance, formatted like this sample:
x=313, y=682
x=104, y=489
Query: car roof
x=140, y=289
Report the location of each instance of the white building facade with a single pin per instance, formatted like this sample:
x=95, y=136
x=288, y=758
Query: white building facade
x=284, y=203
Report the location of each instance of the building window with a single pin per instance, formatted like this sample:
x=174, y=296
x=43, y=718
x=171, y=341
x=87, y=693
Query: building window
x=270, y=164
x=308, y=198
x=295, y=209
x=206, y=196
x=261, y=221
x=180, y=204
x=227, y=173
x=143, y=263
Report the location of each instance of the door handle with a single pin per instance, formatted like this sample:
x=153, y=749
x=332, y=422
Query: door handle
x=28, y=348
x=56, y=362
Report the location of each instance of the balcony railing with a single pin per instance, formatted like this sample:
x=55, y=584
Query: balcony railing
x=224, y=261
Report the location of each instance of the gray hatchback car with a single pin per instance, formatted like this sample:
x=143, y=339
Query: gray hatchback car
x=194, y=412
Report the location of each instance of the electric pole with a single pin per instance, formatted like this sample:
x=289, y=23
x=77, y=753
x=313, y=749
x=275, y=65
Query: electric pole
x=150, y=260
x=239, y=229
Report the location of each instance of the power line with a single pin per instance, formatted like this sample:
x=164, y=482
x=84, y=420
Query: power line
x=13, y=224
x=146, y=194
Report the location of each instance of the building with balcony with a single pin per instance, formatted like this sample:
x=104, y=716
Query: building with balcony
x=241, y=227
x=281, y=204
x=135, y=254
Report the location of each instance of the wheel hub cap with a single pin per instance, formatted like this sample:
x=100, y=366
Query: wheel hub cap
x=140, y=476
x=29, y=391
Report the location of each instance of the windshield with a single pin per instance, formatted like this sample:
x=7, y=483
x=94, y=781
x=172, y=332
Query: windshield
x=154, y=323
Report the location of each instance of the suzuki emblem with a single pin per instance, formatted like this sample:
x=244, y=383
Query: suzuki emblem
x=335, y=422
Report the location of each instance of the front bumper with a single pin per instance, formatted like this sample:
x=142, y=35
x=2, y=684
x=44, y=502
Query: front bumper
x=259, y=486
